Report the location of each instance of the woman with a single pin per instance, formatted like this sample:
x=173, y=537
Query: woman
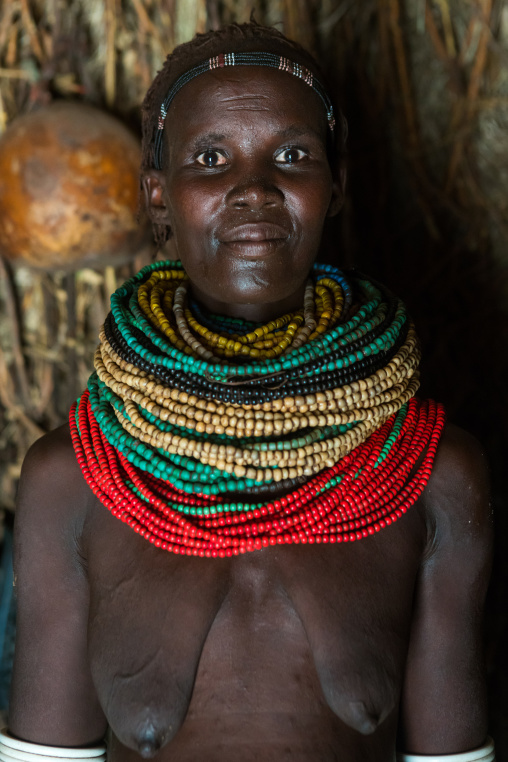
x=328, y=539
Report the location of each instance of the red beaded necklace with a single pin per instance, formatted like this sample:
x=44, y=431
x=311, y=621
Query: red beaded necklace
x=362, y=493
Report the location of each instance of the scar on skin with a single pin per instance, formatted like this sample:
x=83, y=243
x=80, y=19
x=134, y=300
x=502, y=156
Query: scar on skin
x=247, y=108
x=244, y=96
x=249, y=97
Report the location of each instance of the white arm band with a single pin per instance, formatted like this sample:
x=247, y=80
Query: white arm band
x=484, y=753
x=12, y=750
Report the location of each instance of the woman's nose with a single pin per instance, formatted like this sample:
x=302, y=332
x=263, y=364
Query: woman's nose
x=254, y=193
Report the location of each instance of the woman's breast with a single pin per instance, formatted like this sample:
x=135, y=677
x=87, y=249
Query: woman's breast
x=283, y=647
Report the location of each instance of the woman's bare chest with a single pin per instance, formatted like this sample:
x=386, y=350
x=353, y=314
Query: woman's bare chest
x=178, y=643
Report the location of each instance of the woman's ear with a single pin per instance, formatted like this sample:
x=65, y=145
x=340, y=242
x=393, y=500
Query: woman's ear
x=153, y=191
x=338, y=192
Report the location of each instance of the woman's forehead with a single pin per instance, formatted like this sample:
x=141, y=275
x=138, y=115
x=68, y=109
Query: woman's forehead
x=232, y=93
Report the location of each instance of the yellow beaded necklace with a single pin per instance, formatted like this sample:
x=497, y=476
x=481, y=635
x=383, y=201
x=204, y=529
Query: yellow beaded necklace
x=163, y=299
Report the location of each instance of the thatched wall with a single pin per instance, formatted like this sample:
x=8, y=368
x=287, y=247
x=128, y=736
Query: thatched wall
x=424, y=85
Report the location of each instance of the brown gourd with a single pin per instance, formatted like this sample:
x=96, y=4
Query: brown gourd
x=69, y=189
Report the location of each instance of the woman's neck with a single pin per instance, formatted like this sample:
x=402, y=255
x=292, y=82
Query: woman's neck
x=256, y=313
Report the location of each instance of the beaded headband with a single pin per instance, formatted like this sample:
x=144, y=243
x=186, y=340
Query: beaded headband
x=271, y=60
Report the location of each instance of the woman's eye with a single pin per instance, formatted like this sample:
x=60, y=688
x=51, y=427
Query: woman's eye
x=290, y=156
x=211, y=158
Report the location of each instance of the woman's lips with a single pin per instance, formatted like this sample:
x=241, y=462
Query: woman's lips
x=254, y=232
x=254, y=239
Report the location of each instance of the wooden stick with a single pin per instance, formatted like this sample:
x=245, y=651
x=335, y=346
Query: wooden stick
x=422, y=185
x=481, y=54
x=214, y=20
x=110, y=64
x=454, y=73
x=17, y=350
x=145, y=21
x=14, y=410
x=434, y=35
x=31, y=30
x=72, y=360
x=14, y=74
x=41, y=360
x=466, y=42
x=6, y=24
x=297, y=23
x=472, y=93
x=402, y=70
x=190, y=18
x=45, y=389
x=11, y=55
x=447, y=27
x=3, y=115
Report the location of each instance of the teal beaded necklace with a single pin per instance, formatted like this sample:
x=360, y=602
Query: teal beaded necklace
x=127, y=315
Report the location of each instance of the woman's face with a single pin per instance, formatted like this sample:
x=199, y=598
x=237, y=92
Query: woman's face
x=246, y=188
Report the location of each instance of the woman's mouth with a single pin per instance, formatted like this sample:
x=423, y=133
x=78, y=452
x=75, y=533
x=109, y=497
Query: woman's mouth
x=254, y=238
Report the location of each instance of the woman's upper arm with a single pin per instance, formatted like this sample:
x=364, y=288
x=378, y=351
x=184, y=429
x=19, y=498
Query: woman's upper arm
x=444, y=708
x=53, y=700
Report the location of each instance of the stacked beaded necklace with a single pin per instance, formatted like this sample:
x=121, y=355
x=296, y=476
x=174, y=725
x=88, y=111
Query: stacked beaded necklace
x=192, y=420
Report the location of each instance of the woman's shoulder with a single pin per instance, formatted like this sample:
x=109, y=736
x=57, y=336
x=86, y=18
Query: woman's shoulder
x=457, y=497
x=50, y=448
x=51, y=462
x=52, y=489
